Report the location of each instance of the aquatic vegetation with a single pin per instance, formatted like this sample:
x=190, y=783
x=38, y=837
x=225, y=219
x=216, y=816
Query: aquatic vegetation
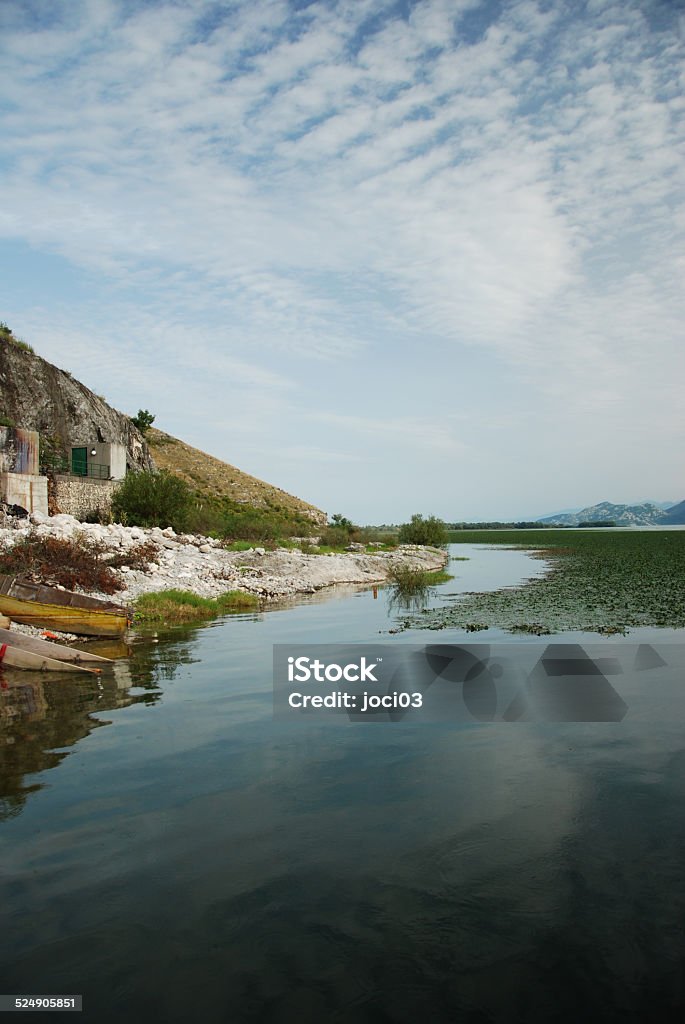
x=411, y=589
x=408, y=582
x=175, y=606
x=605, y=582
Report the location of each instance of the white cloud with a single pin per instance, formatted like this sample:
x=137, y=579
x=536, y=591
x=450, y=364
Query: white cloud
x=338, y=188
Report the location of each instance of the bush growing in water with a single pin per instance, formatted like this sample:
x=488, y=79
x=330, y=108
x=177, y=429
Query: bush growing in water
x=408, y=582
x=153, y=499
x=430, y=531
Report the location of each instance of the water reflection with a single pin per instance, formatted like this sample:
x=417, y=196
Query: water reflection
x=401, y=602
x=201, y=860
x=43, y=714
x=39, y=715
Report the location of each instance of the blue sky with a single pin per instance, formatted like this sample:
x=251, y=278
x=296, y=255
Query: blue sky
x=392, y=257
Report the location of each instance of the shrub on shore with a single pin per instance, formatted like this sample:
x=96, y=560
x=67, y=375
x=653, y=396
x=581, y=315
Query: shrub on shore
x=430, y=531
x=153, y=499
x=70, y=563
x=258, y=524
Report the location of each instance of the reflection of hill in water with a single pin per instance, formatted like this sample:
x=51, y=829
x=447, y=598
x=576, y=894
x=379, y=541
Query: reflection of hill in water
x=41, y=713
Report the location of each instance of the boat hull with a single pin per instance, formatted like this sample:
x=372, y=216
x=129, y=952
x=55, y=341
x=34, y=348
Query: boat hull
x=50, y=608
x=54, y=651
x=17, y=657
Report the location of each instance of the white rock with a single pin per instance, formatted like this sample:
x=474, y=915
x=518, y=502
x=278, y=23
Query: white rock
x=64, y=519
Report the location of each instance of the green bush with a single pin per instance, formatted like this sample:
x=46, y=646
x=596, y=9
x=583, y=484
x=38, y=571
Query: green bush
x=335, y=537
x=260, y=524
x=430, y=531
x=153, y=499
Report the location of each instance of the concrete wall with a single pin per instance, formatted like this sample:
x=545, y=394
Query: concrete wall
x=19, y=450
x=80, y=496
x=106, y=453
x=31, y=492
x=117, y=461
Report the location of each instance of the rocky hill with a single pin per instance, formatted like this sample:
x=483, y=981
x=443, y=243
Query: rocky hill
x=36, y=395
x=646, y=514
x=216, y=479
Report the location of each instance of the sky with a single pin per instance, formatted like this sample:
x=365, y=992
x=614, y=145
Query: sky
x=393, y=257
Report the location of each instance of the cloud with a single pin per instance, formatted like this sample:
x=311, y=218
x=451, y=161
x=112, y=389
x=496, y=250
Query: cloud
x=302, y=189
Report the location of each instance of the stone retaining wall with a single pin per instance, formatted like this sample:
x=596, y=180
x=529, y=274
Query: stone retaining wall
x=80, y=497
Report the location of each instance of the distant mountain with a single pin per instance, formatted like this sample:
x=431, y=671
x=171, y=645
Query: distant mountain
x=675, y=516
x=646, y=514
x=559, y=512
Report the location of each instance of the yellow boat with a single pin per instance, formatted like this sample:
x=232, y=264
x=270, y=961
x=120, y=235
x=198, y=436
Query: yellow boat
x=52, y=608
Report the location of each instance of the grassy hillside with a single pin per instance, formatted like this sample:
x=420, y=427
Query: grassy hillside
x=219, y=483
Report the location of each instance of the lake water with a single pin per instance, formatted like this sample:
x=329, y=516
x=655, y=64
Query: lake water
x=173, y=853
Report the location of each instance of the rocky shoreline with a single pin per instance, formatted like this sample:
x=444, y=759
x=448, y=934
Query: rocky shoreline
x=201, y=565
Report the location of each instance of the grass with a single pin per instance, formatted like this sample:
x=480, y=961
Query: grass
x=439, y=576
x=6, y=335
x=177, y=606
x=221, y=486
x=600, y=581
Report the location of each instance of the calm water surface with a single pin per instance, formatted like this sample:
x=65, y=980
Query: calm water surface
x=171, y=852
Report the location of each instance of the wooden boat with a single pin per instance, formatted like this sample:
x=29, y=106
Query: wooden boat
x=50, y=650
x=19, y=657
x=40, y=605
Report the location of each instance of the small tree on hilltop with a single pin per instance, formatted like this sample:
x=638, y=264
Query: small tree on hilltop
x=143, y=420
x=430, y=531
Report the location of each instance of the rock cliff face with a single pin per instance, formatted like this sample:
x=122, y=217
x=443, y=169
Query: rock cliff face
x=36, y=395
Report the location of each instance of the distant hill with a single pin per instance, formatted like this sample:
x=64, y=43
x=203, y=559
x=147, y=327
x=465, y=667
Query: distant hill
x=675, y=516
x=218, y=480
x=646, y=514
